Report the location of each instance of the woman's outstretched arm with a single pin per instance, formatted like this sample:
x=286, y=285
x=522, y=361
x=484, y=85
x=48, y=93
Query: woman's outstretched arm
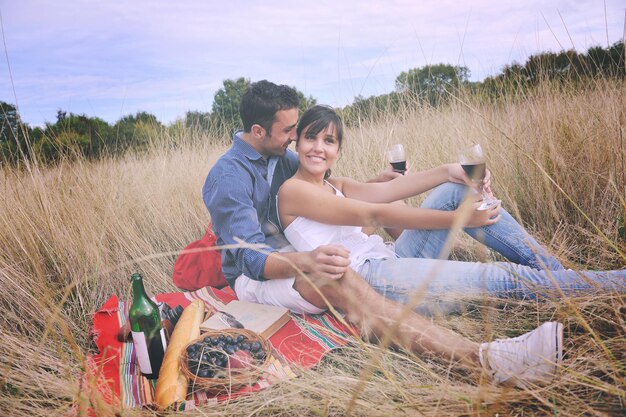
x=405, y=186
x=300, y=198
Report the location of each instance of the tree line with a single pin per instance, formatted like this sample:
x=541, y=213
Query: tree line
x=434, y=85
x=78, y=135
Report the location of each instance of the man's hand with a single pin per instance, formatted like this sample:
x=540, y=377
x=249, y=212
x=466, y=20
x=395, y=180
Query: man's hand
x=328, y=262
x=388, y=174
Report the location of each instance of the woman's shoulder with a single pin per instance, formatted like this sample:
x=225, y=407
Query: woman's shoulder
x=339, y=182
x=291, y=182
x=292, y=185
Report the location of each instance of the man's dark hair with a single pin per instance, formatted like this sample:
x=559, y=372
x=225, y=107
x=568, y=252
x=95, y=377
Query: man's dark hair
x=262, y=100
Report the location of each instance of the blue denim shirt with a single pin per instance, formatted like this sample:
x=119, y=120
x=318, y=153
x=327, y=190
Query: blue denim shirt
x=242, y=204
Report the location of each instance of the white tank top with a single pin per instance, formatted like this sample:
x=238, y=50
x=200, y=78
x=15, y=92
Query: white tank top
x=306, y=235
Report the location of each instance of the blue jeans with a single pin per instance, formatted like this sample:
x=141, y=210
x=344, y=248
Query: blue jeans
x=436, y=283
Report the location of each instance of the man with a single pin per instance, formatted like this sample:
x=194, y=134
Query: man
x=240, y=193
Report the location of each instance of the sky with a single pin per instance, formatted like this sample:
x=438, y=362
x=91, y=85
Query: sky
x=109, y=59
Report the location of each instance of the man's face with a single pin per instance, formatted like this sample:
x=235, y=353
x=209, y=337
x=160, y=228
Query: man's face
x=283, y=133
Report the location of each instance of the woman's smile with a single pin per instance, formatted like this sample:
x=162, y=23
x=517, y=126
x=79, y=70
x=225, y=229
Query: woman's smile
x=316, y=158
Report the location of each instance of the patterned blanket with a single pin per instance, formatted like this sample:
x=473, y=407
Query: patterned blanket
x=298, y=345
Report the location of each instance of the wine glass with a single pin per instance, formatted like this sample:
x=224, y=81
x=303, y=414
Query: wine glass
x=397, y=158
x=473, y=162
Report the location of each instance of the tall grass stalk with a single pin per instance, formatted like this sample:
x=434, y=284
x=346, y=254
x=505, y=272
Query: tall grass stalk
x=71, y=234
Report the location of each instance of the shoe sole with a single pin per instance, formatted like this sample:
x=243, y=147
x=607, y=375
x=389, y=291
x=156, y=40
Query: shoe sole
x=556, y=329
x=559, y=344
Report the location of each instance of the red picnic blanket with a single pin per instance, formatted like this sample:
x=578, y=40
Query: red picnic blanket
x=299, y=344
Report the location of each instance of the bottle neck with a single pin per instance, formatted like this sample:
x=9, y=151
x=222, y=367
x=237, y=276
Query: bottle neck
x=139, y=291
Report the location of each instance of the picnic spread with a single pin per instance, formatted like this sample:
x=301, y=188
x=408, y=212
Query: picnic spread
x=296, y=346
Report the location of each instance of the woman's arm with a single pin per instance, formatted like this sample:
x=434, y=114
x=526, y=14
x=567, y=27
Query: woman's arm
x=408, y=185
x=387, y=174
x=404, y=186
x=300, y=198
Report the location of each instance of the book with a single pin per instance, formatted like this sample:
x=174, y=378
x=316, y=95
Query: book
x=261, y=318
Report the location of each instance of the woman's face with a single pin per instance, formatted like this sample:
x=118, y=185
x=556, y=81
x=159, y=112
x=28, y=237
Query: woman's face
x=318, y=153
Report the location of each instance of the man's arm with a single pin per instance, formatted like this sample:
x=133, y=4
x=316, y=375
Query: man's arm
x=228, y=197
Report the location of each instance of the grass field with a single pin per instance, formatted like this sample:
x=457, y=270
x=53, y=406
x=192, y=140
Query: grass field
x=71, y=235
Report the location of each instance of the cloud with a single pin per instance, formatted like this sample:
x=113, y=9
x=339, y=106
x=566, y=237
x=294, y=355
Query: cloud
x=173, y=56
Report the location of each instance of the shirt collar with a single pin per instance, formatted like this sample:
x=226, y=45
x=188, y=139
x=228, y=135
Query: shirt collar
x=244, y=147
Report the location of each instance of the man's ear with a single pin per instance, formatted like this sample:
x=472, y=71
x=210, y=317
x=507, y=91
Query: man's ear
x=257, y=131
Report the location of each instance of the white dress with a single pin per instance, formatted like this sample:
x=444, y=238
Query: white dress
x=306, y=235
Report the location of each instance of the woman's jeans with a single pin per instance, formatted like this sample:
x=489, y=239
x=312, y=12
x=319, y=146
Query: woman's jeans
x=436, y=285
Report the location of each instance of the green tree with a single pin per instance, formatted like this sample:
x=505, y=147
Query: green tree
x=73, y=135
x=371, y=108
x=66, y=144
x=198, y=120
x=9, y=121
x=133, y=131
x=563, y=66
x=432, y=82
x=609, y=62
x=305, y=102
x=14, y=134
x=225, y=109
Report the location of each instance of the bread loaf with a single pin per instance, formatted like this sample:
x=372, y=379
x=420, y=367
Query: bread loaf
x=172, y=384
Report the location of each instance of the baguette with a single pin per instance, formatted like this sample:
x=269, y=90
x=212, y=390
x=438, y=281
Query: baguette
x=172, y=384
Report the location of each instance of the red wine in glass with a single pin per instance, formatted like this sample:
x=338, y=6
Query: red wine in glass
x=475, y=170
x=472, y=161
x=397, y=158
x=399, y=166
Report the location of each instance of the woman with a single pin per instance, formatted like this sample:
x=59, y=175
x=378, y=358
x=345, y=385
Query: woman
x=317, y=209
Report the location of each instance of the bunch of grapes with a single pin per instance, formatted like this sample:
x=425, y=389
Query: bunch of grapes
x=210, y=355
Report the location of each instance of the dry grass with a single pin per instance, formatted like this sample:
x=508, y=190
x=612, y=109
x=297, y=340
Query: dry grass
x=71, y=235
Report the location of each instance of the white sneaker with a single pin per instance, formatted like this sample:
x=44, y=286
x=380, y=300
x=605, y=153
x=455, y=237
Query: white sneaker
x=531, y=358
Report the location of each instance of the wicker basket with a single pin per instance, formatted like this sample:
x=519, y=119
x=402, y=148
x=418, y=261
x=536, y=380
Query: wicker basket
x=231, y=379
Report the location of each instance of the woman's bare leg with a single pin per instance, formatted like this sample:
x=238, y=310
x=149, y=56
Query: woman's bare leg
x=374, y=313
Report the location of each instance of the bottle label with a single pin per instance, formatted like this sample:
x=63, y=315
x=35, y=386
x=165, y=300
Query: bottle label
x=141, y=351
x=163, y=339
x=150, y=352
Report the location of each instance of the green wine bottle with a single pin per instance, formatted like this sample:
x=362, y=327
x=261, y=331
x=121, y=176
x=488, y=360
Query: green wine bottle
x=147, y=330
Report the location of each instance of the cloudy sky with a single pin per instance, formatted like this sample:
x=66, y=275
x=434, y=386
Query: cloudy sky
x=112, y=58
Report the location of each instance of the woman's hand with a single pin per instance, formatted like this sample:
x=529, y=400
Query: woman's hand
x=457, y=175
x=485, y=217
x=388, y=174
x=487, y=183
